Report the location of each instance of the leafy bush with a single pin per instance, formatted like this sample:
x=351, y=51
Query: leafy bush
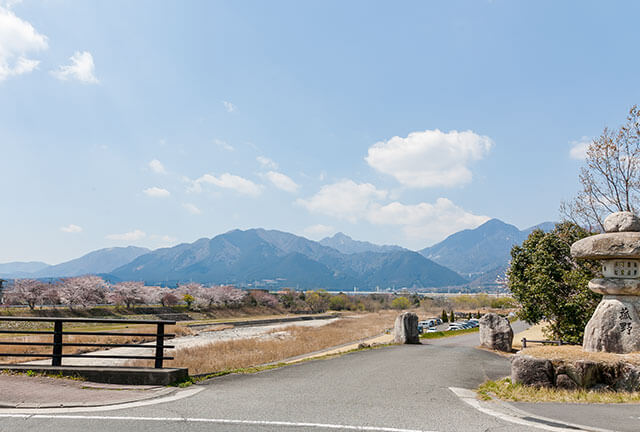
x=400, y=303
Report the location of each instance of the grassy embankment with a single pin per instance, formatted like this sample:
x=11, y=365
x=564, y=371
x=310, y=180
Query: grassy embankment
x=506, y=390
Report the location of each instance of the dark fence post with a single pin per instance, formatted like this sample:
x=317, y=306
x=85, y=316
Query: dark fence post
x=159, y=346
x=56, y=360
x=524, y=342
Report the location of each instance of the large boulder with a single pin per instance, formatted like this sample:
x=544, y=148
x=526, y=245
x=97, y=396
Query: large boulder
x=532, y=371
x=495, y=332
x=405, y=330
x=621, y=222
x=614, y=326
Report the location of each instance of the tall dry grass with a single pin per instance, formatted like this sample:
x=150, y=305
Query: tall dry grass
x=35, y=350
x=279, y=345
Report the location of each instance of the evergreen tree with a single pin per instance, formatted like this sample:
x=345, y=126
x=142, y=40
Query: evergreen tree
x=452, y=317
x=444, y=316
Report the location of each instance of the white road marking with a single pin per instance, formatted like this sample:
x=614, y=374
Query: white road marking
x=208, y=420
x=469, y=397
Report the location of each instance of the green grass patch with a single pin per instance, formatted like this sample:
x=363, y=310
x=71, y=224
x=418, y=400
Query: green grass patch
x=444, y=334
x=504, y=389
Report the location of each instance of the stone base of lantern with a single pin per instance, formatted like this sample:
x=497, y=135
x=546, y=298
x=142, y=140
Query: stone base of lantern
x=614, y=326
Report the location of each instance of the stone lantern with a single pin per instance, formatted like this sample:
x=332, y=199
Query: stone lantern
x=615, y=325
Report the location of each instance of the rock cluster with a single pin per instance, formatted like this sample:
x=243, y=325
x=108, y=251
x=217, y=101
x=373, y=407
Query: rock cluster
x=571, y=375
x=405, y=330
x=496, y=332
x=615, y=325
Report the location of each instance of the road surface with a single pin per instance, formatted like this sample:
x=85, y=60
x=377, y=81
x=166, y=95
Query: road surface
x=403, y=387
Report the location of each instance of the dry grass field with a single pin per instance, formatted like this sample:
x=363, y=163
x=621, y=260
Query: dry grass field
x=279, y=344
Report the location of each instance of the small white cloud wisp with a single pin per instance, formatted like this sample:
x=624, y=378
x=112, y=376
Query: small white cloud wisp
x=71, y=228
x=81, y=69
x=156, y=192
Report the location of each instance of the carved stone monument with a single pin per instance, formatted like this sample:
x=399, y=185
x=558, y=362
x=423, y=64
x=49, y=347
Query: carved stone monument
x=615, y=325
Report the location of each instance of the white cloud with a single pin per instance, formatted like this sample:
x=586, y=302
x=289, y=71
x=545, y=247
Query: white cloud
x=431, y=158
x=425, y=222
x=192, y=208
x=267, y=163
x=421, y=223
x=18, y=38
x=229, y=106
x=223, y=145
x=157, y=167
x=319, y=231
x=156, y=192
x=227, y=181
x=579, y=148
x=81, y=69
x=128, y=236
x=345, y=200
x=282, y=181
x=71, y=228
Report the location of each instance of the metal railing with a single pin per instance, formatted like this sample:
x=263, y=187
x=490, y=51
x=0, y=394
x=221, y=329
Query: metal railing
x=58, y=343
x=544, y=342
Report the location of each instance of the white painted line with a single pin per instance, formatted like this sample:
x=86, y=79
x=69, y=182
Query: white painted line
x=208, y=420
x=469, y=397
x=181, y=394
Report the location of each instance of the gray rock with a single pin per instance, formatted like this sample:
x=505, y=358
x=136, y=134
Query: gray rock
x=608, y=246
x=628, y=379
x=615, y=287
x=565, y=382
x=405, y=330
x=531, y=371
x=496, y=332
x=614, y=326
x=621, y=221
x=584, y=372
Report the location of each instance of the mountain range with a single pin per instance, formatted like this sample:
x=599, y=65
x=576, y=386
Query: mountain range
x=96, y=262
x=257, y=257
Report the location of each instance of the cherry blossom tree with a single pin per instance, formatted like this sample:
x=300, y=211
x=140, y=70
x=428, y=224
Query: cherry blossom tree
x=265, y=299
x=26, y=291
x=83, y=291
x=128, y=293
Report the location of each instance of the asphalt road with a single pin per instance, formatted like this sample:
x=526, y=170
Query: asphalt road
x=391, y=388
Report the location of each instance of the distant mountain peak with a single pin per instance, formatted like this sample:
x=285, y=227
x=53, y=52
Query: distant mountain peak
x=345, y=244
x=482, y=249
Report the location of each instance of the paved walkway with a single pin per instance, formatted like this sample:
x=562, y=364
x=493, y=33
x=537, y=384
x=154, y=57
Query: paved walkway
x=22, y=391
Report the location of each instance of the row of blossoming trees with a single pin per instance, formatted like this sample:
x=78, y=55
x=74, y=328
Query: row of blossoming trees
x=87, y=291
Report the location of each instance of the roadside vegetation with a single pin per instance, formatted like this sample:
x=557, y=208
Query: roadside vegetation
x=504, y=389
x=444, y=334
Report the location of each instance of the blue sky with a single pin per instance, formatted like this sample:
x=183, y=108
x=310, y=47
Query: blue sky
x=154, y=122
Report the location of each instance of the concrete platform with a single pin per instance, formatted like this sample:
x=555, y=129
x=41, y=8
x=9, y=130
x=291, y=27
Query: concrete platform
x=109, y=375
